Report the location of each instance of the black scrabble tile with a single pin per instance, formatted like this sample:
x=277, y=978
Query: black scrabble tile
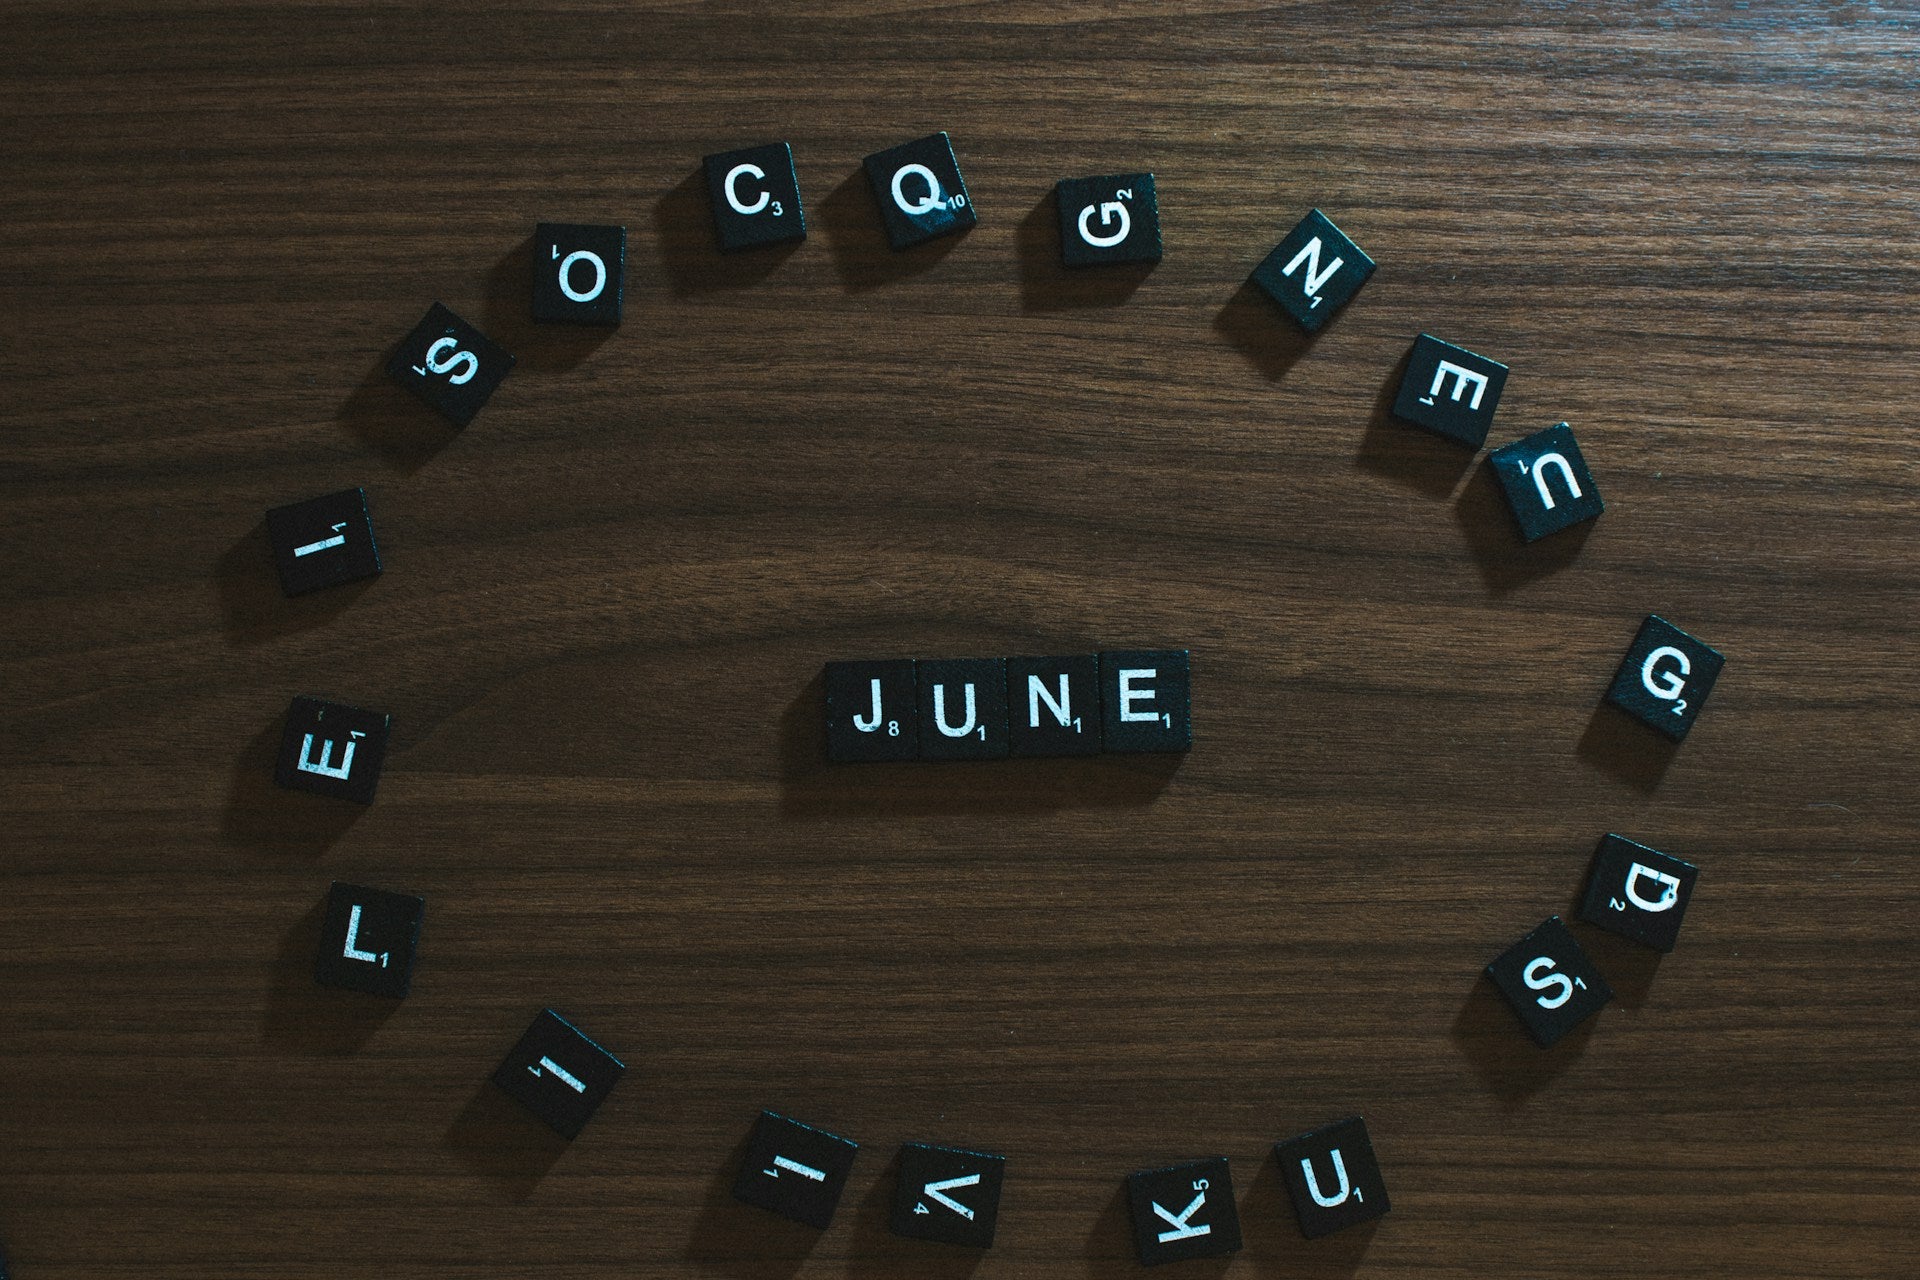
x=1665, y=678
x=756, y=197
x=579, y=273
x=1546, y=482
x=794, y=1169
x=1450, y=391
x=1550, y=981
x=963, y=708
x=1055, y=705
x=948, y=1195
x=1332, y=1177
x=332, y=749
x=1313, y=272
x=557, y=1073
x=1108, y=220
x=920, y=191
x=1184, y=1211
x=323, y=542
x=368, y=940
x=449, y=364
x=1638, y=893
x=873, y=711
x=1144, y=700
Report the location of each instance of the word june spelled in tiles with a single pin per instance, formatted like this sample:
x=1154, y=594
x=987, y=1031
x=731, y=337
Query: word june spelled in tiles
x=1550, y=982
x=1332, y=1177
x=1183, y=1211
x=920, y=191
x=1638, y=893
x=332, y=749
x=756, y=197
x=449, y=364
x=1546, y=482
x=368, y=939
x=948, y=1195
x=1108, y=220
x=794, y=1169
x=988, y=708
x=323, y=542
x=1450, y=391
x=557, y=1073
x=1313, y=272
x=579, y=273
x=1665, y=678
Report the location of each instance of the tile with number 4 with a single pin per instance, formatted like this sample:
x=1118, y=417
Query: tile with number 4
x=1145, y=704
x=920, y=191
x=963, y=708
x=947, y=1194
x=1054, y=704
x=1450, y=391
x=1550, y=981
x=1638, y=893
x=1184, y=1211
x=1314, y=272
x=449, y=364
x=756, y=197
x=794, y=1170
x=579, y=273
x=1546, y=483
x=1664, y=680
x=873, y=711
x=323, y=542
x=368, y=940
x=557, y=1073
x=1332, y=1177
x=1108, y=220
x=332, y=749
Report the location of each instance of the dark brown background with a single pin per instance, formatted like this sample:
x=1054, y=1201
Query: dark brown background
x=1688, y=228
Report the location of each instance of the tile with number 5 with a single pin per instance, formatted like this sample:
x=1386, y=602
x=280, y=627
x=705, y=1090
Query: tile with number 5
x=449, y=364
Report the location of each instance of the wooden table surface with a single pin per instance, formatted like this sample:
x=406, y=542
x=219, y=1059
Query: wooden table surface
x=1689, y=229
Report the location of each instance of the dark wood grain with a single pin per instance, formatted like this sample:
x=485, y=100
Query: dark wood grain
x=1689, y=228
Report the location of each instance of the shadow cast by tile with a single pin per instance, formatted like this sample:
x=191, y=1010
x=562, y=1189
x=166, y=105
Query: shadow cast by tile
x=1493, y=538
x=1625, y=749
x=396, y=426
x=270, y=819
x=305, y=1017
x=742, y=1240
x=689, y=252
x=1262, y=332
x=1407, y=454
x=1628, y=966
x=254, y=609
x=857, y=239
x=507, y=317
x=882, y=1255
x=1274, y=1244
x=813, y=788
x=500, y=1141
x=1110, y=1240
x=1490, y=1035
x=1047, y=284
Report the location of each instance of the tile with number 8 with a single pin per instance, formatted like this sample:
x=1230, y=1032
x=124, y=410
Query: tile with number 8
x=873, y=711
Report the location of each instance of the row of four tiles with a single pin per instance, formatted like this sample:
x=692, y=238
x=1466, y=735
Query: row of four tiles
x=1125, y=701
